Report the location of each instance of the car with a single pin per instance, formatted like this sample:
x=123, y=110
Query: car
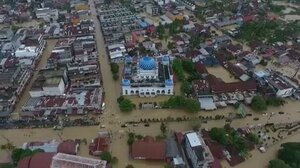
x=102, y=126
x=103, y=106
x=124, y=125
x=147, y=125
x=256, y=119
x=135, y=125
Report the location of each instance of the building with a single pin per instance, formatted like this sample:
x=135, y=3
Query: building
x=99, y=144
x=116, y=21
x=13, y=80
x=281, y=85
x=59, y=160
x=6, y=35
x=147, y=77
x=197, y=151
x=32, y=44
x=68, y=147
x=152, y=10
x=49, y=82
x=39, y=160
x=116, y=52
x=186, y=3
x=46, y=146
x=47, y=14
x=148, y=149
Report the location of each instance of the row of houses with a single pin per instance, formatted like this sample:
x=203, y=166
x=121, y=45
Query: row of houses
x=20, y=52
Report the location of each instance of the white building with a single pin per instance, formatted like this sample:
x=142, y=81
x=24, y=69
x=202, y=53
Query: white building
x=31, y=47
x=50, y=82
x=116, y=52
x=148, y=77
x=47, y=14
x=61, y=160
x=282, y=86
x=197, y=152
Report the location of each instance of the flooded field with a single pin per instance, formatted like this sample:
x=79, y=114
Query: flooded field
x=221, y=72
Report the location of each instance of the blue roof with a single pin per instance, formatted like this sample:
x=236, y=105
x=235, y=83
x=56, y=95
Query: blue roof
x=126, y=82
x=147, y=63
x=143, y=24
x=169, y=82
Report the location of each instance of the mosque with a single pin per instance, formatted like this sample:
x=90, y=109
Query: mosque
x=147, y=76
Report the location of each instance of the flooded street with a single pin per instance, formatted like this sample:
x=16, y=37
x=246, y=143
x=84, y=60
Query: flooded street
x=41, y=64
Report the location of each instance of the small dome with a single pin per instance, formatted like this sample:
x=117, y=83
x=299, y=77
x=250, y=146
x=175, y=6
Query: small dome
x=147, y=63
x=169, y=82
x=126, y=82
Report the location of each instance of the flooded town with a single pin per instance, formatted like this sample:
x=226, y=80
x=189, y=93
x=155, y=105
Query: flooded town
x=149, y=84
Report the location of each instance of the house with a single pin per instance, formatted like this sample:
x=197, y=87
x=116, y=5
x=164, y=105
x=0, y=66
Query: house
x=47, y=14
x=6, y=35
x=200, y=87
x=148, y=149
x=99, y=144
x=249, y=86
x=116, y=52
x=234, y=49
x=238, y=70
x=282, y=86
x=46, y=146
x=59, y=160
x=68, y=147
x=152, y=9
x=173, y=153
x=197, y=151
x=39, y=160
x=49, y=82
x=201, y=69
x=189, y=5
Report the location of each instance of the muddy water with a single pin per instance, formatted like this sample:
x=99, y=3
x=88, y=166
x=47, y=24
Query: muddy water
x=41, y=64
x=221, y=72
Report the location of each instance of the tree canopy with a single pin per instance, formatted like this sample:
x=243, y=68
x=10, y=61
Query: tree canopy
x=179, y=102
x=277, y=163
x=106, y=156
x=126, y=105
x=258, y=104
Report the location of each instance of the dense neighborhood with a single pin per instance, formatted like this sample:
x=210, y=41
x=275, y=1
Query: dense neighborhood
x=127, y=69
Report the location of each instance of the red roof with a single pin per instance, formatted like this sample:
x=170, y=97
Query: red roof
x=249, y=18
x=39, y=160
x=148, y=149
x=100, y=145
x=68, y=147
x=200, y=67
x=234, y=86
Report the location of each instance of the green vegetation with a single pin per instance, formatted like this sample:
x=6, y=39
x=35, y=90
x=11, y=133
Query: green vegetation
x=164, y=31
x=106, y=156
x=8, y=146
x=179, y=102
x=131, y=138
x=288, y=156
x=253, y=138
x=114, y=68
x=276, y=8
x=229, y=136
x=178, y=69
x=258, y=104
x=163, y=128
x=275, y=101
x=19, y=153
x=186, y=87
x=129, y=166
x=125, y=105
x=269, y=31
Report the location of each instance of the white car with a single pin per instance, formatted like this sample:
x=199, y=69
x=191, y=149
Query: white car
x=103, y=106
